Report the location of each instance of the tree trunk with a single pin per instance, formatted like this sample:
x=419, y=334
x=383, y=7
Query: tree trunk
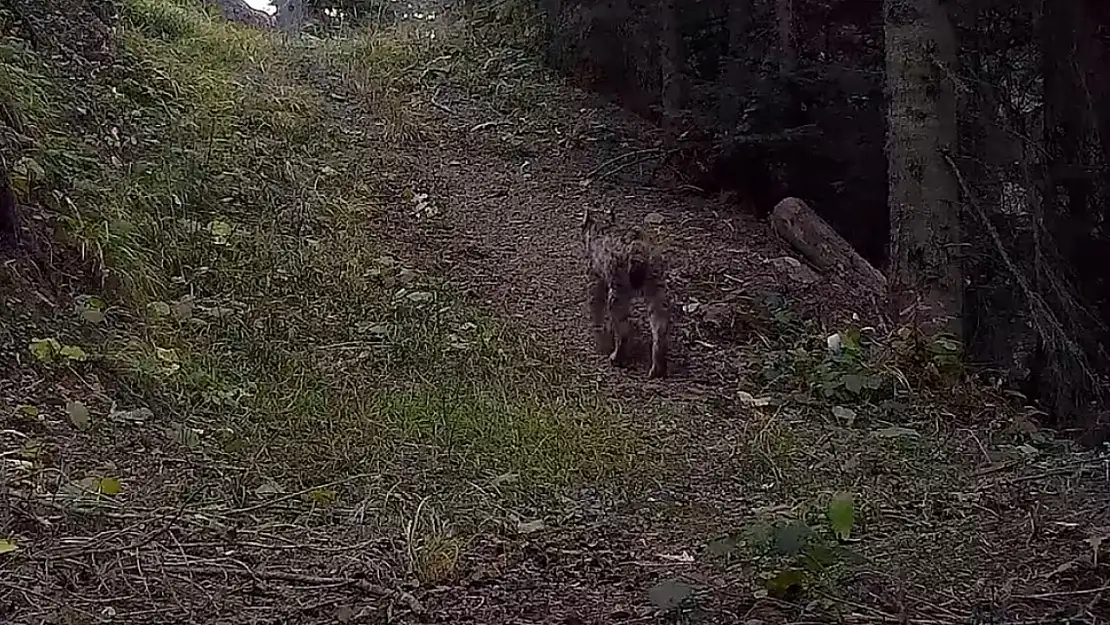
x=672, y=61
x=784, y=20
x=734, y=91
x=924, y=194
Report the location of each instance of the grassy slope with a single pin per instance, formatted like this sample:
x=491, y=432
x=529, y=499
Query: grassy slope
x=208, y=240
x=245, y=302
x=288, y=327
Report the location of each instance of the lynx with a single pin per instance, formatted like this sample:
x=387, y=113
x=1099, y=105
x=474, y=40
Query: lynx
x=622, y=266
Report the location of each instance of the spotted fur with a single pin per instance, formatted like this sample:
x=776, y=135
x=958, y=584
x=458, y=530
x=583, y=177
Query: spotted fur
x=620, y=267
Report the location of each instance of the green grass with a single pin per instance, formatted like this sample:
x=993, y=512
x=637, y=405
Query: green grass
x=232, y=230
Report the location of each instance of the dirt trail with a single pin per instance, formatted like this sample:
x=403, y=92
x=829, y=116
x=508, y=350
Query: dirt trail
x=506, y=232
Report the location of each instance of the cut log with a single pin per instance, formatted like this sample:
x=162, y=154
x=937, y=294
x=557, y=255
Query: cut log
x=826, y=250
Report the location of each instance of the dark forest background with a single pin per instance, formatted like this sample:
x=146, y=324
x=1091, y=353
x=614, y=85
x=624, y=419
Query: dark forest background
x=961, y=147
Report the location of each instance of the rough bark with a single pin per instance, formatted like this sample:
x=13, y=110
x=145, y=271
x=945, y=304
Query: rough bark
x=826, y=250
x=731, y=100
x=672, y=61
x=788, y=55
x=923, y=191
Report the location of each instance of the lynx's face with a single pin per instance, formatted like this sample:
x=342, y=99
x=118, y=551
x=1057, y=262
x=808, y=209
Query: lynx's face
x=620, y=258
x=595, y=225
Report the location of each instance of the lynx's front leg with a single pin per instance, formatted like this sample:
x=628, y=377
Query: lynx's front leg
x=598, y=295
x=659, y=319
x=619, y=301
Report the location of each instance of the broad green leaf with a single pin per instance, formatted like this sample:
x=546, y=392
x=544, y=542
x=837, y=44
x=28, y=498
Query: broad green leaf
x=72, y=352
x=791, y=538
x=109, y=486
x=323, y=496
x=8, y=546
x=160, y=309
x=92, y=309
x=819, y=557
x=842, y=515
x=31, y=450
x=44, y=350
x=853, y=383
x=787, y=584
x=852, y=339
x=220, y=231
x=25, y=173
x=92, y=315
x=167, y=355
x=759, y=535
x=78, y=414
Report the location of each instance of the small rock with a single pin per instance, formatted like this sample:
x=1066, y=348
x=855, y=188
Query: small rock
x=531, y=527
x=794, y=269
x=136, y=415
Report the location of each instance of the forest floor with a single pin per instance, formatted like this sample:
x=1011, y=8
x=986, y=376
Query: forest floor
x=296, y=334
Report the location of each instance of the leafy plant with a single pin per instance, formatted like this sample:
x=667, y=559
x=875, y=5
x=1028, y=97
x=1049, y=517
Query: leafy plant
x=937, y=358
x=846, y=374
x=51, y=351
x=797, y=555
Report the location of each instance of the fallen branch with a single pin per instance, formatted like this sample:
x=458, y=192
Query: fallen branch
x=772, y=139
x=304, y=491
x=826, y=250
x=618, y=159
x=299, y=578
x=1064, y=593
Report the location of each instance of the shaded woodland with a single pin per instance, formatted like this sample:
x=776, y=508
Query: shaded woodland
x=960, y=147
